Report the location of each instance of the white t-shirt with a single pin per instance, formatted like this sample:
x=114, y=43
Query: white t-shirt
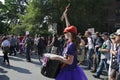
x=90, y=43
x=5, y=43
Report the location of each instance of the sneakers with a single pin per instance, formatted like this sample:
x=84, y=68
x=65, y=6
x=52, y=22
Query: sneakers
x=96, y=76
x=87, y=68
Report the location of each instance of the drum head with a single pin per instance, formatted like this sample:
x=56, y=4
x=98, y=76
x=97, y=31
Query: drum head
x=49, y=55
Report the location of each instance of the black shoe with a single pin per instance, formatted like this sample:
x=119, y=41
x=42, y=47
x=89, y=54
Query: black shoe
x=10, y=54
x=96, y=76
x=93, y=71
x=87, y=68
x=28, y=60
x=14, y=55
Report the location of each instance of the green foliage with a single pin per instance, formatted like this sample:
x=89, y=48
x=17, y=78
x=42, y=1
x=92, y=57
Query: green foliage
x=88, y=13
x=34, y=29
x=3, y=25
x=4, y=28
x=33, y=15
x=82, y=13
x=18, y=29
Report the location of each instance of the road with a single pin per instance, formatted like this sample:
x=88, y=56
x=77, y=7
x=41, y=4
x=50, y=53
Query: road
x=19, y=69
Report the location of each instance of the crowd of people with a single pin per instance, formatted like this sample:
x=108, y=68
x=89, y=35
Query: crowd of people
x=100, y=52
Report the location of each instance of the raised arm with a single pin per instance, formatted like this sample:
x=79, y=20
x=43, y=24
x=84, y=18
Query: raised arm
x=66, y=20
x=64, y=16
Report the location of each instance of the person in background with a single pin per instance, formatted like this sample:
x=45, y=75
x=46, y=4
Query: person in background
x=105, y=55
x=35, y=43
x=5, y=45
x=90, y=51
x=40, y=47
x=16, y=44
x=62, y=42
x=12, y=45
x=81, y=51
x=21, y=39
x=49, y=40
x=117, y=40
x=28, y=47
x=55, y=44
x=113, y=67
x=96, y=56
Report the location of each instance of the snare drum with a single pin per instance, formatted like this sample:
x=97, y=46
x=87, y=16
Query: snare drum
x=50, y=68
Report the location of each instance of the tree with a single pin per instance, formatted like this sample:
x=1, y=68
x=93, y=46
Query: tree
x=31, y=13
x=88, y=13
x=36, y=11
x=3, y=25
x=14, y=9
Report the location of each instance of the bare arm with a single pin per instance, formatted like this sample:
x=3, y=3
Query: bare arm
x=68, y=61
x=66, y=20
x=53, y=40
x=113, y=52
x=104, y=50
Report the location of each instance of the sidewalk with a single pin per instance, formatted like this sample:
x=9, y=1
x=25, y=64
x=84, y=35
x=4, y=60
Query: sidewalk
x=1, y=53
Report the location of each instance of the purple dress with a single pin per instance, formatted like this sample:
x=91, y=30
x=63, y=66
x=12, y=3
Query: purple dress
x=73, y=71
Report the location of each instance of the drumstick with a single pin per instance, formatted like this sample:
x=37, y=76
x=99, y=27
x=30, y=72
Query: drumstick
x=66, y=9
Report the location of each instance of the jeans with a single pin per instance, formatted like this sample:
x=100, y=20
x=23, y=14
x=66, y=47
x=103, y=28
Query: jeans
x=90, y=57
x=12, y=50
x=118, y=76
x=96, y=60
x=28, y=54
x=102, y=64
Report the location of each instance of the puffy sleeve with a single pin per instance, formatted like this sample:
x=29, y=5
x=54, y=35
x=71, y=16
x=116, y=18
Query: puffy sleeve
x=71, y=49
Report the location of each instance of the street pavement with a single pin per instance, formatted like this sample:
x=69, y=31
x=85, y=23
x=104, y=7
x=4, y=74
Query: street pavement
x=20, y=69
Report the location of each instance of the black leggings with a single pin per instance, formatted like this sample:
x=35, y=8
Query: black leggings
x=6, y=57
x=5, y=52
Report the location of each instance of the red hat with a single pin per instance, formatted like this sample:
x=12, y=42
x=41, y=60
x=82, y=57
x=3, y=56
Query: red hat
x=71, y=29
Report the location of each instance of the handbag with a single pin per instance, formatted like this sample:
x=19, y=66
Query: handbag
x=115, y=65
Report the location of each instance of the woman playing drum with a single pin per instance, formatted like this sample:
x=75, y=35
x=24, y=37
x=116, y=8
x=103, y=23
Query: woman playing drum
x=71, y=71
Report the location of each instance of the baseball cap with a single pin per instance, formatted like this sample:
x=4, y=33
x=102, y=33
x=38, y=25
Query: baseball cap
x=71, y=29
x=117, y=32
x=105, y=33
x=112, y=36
